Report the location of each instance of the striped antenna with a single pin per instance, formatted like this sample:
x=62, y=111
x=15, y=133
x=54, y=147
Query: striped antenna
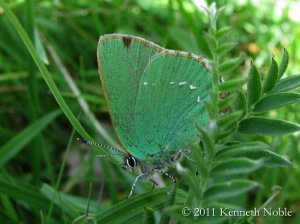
x=134, y=183
x=110, y=154
x=117, y=151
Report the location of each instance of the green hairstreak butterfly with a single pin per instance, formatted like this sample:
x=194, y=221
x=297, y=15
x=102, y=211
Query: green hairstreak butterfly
x=155, y=98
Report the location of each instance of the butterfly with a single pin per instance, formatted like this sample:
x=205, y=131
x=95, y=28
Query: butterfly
x=156, y=101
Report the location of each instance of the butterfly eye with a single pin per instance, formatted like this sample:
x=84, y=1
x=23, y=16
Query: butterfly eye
x=130, y=161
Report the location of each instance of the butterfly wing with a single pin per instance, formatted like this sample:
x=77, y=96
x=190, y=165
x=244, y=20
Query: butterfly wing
x=170, y=102
x=121, y=61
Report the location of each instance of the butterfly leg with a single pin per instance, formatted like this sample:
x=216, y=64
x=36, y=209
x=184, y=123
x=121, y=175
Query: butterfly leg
x=188, y=158
x=153, y=183
x=176, y=156
x=134, y=183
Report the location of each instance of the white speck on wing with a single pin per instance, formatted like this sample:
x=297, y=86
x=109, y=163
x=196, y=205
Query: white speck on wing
x=145, y=83
x=192, y=87
x=171, y=83
x=182, y=83
x=198, y=99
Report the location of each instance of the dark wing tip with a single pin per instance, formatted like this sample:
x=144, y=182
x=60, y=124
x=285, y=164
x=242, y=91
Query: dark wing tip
x=127, y=41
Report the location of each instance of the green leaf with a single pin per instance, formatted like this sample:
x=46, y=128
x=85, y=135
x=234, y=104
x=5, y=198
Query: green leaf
x=17, y=143
x=212, y=110
x=189, y=179
x=229, y=118
x=207, y=142
x=224, y=48
x=271, y=77
x=212, y=42
x=40, y=47
x=234, y=166
x=253, y=85
x=284, y=63
x=229, y=189
x=234, y=149
x=165, y=218
x=23, y=192
x=223, y=32
x=149, y=217
x=239, y=103
x=198, y=157
x=133, y=208
x=231, y=64
x=225, y=102
x=65, y=202
x=253, y=150
x=287, y=84
x=232, y=84
x=225, y=133
x=267, y=126
x=276, y=100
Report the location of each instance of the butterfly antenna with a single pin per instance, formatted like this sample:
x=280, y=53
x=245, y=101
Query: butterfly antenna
x=133, y=185
x=110, y=154
x=117, y=151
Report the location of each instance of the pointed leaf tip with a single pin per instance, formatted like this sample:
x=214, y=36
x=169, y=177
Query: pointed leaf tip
x=253, y=85
x=284, y=63
x=271, y=77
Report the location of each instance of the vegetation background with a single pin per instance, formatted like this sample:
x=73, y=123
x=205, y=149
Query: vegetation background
x=39, y=152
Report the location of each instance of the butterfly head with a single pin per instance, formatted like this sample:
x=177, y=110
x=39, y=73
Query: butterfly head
x=136, y=165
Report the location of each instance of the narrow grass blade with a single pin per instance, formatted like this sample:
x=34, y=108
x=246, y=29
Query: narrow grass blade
x=17, y=143
x=44, y=72
x=23, y=192
x=165, y=218
x=149, y=217
x=133, y=208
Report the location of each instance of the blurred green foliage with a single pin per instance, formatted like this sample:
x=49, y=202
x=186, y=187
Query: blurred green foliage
x=38, y=152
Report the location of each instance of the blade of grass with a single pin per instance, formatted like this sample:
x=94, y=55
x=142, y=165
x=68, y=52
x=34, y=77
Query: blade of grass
x=61, y=170
x=77, y=93
x=134, y=207
x=23, y=192
x=9, y=209
x=17, y=143
x=32, y=94
x=45, y=73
